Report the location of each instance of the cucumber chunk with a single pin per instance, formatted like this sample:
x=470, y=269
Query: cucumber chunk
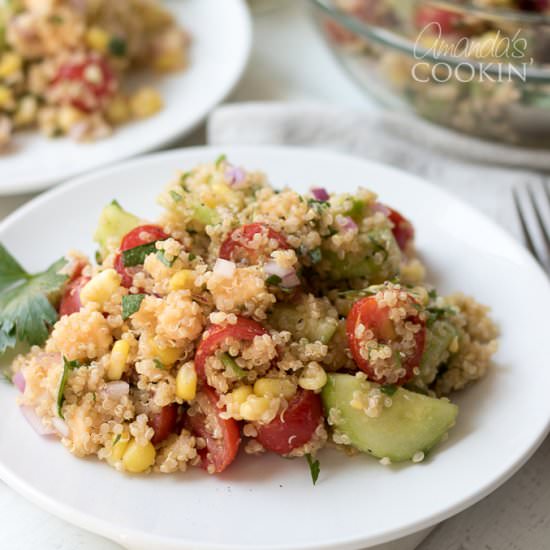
x=114, y=223
x=413, y=423
x=362, y=264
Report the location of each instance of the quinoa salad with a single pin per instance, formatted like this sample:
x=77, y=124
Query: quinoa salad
x=64, y=64
x=245, y=318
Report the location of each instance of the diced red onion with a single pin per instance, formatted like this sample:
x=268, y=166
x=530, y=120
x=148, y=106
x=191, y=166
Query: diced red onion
x=290, y=281
x=35, y=421
x=234, y=175
x=224, y=268
x=117, y=389
x=273, y=268
x=320, y=194
x=19, y=381
x=61, y=427
x=346, y=223
x=379, y=207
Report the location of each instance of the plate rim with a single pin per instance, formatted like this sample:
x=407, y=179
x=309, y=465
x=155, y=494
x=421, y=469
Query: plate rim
x=139, y=540
x=32, y=185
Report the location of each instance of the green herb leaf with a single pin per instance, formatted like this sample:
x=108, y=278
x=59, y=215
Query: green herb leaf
x=229, y=363
x=159, y=364
x=274, y=280
x=388, y=389
x=116, y=439
x=191, y=256
x=130, y=304
x=25, y=311
x=314, y=468
x=436, y=313
x=220, y=159
x=68, y=366
x=136, y=256
x=117, y=46
x=378, y=247
x=164, y=259
x=175, y=196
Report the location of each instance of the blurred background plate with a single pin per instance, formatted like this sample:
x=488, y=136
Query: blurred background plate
x=221, y=39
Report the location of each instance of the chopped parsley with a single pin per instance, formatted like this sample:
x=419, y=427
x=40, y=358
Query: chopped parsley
x=191, y=256
x=220, y=159
x=378, y=247
x=131, y=304
x=318, y=206
x=159, y=364
x=116, y=439
x=314, y=468
x=229, y=363
x=437, y=313
x=117, y=46
x=136, y=256
x=175, y=196
x=68, y=366
x=26, y=314
x=274, y=280
x=388, y=389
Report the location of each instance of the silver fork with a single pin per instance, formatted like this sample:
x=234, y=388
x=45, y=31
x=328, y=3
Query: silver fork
x=533, y=210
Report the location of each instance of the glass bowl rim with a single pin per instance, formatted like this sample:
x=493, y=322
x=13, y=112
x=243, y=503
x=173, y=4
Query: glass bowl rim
x=391, y=39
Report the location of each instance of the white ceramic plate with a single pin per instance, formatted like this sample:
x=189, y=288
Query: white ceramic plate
x=221, y=35
x=267, y=502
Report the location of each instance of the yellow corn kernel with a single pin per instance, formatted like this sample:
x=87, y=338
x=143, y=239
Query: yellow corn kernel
x=117, y=362
x=118, y=110
x=274, y=387
x=169, y=61
x=97, y=39
x=100, y=288
x=138, y=458
x=27, y=109
x=254, y=408
x=10, y=63
x=145, y=102
x=6, y=98
x=313, y=377
x=68, y=116
x=240, y=395
x=186, y=382
x=167, y=356
x=118, y=450
x=182, y=280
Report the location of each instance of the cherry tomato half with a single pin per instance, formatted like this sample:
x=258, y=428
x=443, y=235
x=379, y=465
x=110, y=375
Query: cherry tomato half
x=221, y=435
x=94, y=83
x=143, y=234
x=403, y=230
x=164, y=423
x=244, y=329
x=295, y=426
x=430, y=17
x=235, y=247
x=376, y=318
x=70, y=301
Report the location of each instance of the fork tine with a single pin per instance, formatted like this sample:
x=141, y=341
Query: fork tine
x=544, y=226
x=526, y=235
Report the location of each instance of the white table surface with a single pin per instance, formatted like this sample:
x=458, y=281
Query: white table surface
x=290, y=62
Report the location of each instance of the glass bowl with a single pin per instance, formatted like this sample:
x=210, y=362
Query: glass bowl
x=473, y=66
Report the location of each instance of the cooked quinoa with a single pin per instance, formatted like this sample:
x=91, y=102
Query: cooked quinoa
x=228, y=320
x=63, y=64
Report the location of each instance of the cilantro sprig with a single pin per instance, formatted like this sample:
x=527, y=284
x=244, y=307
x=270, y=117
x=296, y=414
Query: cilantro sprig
x=314, y=468
x=26, y=313
x=68, y=366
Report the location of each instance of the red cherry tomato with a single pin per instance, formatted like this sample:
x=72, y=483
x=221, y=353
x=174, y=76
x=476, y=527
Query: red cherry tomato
x=70, y=301
x=164, y=423
x=376, y=318
x=235, y=246
x=403, y=230
x=428, y=16
x=244, y=329
x=143, y=234
x=295, y=426
x=86, y=83
x=222, y=435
